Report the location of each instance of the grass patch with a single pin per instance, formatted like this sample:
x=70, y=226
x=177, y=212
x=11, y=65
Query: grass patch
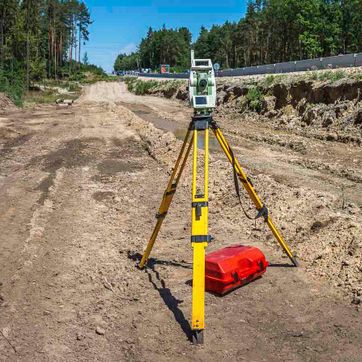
x=143, y=87
x=49, y=96
x=358, y=76
x=91, y=78
x=70, y=86
x=49, y=90
x=329, y=76
x=169, y=88
x=140, y=87
x=269, y=80
x=41, y=97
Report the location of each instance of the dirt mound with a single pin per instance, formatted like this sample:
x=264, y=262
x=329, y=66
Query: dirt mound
x=5, y=102
x=329, y=110
x=101, y=92
x=325, y=110
x=292, y=93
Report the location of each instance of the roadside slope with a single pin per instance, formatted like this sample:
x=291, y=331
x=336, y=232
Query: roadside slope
x=317, y=182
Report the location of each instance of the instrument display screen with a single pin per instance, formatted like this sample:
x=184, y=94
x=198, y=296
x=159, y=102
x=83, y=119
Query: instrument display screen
x=200, y=101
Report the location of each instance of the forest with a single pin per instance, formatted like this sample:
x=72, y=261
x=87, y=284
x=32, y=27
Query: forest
x=40, y=39
x=271, y=31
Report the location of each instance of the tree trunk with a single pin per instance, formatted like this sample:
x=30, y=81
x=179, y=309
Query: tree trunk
x=49, y=53
x=70, y=58
x=60, y=50
x=27, y=60
x=2, y=40
x=75, y=43
x=55, y=56
x=80, y=44
x=71, y=49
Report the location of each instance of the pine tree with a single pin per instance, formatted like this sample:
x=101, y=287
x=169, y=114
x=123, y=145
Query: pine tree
x=85, y=59
x=84, y=21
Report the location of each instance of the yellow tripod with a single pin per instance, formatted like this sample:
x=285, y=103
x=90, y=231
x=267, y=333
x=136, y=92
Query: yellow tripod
x=200, y=236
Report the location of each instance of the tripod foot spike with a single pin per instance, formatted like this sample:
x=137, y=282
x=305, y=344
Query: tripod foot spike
x=198, y=336
x=295, y=262
x=139, y=267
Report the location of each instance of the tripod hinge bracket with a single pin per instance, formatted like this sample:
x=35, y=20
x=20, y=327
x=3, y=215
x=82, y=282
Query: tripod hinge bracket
x=200, y=123
x=214, y=126
x=198, y=205
x=201, y=238
x=170, y=192
x=161, y=216
x=264, y=213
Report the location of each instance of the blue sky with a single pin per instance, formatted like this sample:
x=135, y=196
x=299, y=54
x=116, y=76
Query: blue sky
x=119, y=25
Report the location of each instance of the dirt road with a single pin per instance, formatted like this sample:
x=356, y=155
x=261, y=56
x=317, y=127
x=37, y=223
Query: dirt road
x=79, y=188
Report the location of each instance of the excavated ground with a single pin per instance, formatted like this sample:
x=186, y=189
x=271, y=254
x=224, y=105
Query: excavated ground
x=79, y=188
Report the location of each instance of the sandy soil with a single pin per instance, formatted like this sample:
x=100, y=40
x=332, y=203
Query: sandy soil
x=79, y=188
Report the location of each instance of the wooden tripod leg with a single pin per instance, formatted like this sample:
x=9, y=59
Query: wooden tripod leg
x=250, y=190
x=168, y=195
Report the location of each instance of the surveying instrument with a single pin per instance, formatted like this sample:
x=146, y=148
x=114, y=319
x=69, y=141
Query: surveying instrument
x=202, y=92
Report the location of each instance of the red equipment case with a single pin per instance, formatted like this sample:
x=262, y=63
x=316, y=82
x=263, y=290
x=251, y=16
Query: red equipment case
x=232, y=267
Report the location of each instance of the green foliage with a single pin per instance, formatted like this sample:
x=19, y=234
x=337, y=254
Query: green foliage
x=269, y=80
x=77, y=77
x=143, y=87
x=45, y=97
x=313, y=75
x=171, y=85
x=332, y=76
x=254, y=99
x=68, y=85
x=329, y=76
x=39, y=39
x=85, y=59
x=74, y=87
x=271, y=32
x=138, y=86
x=358, y=76
x=12, y=84
x=48, y=96
x=218, y=44
x=178, y=69
x=164, y=46
x=126, y=62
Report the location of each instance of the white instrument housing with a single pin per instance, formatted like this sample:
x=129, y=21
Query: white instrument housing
x=202, y=98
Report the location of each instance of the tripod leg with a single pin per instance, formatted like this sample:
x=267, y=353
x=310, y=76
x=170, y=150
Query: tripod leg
x=168, y=195
x=250, y=189
x=199, y=239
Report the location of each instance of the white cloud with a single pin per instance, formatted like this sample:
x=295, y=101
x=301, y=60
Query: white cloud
x=129, y=48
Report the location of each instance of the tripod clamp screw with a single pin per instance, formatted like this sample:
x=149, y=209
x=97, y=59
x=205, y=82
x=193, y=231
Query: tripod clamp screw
x=161, y=216
x=263, y=212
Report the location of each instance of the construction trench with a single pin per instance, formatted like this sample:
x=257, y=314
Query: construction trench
x=80, y=186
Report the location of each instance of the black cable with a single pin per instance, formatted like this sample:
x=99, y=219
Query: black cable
x=261, y=212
